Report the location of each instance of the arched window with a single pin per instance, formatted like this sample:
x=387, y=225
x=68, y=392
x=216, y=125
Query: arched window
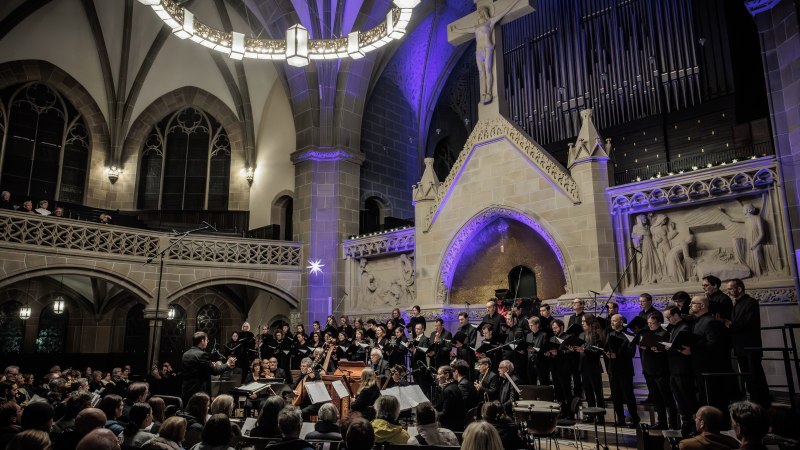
x=283, y=212
x=521, y=282
x=46, y=147
x=372, y=216
x=137, y=330
x=173, y=335
x=52, y=336
x=186, y=163
x=12, y=328
x=209, y=319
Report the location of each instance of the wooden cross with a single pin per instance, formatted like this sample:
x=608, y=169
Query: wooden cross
x=480, y=25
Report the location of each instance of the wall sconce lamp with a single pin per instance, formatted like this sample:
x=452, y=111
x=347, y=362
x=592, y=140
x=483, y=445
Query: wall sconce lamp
x=113, y=173
x=249, y=173
x=25, y=312
x=171, y=313
x=59, y=305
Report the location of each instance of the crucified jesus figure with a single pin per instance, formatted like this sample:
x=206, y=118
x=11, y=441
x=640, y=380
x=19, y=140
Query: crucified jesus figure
x=484, y=46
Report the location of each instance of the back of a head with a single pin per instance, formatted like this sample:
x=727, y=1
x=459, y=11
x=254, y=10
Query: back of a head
x=712, y=418
x=8, y=413
x=109, y=405
x=137, y=416
x=751, y=420
x=37, y=416
x=99, y=439
x=360, y=435
x=328, y=413
x=290, y=421
x=135, y=391
x=197, y=406
x=217, y=430
x=89, y=419
x=268, y=417
x=77, y=402
x=29, y=440
x=387, y=407
x=174, y=429
x=462, y=368
x=222, y=404
x=425, y=413
x=481, y=435
x=492, y=412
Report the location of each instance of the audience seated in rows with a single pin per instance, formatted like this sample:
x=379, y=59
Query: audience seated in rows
x=481, y=435
x=360, y=435
x=170, y=435
x=290, y=422
x=29, y=440
x=267, y=424
x=327, y=426
x=217, y=434
x=495, y=415
x=428, y=430
x=87, y=420
x=140, y=416
x=387, y=429
x=99, y=439
x=112, y=407
x=708, y=421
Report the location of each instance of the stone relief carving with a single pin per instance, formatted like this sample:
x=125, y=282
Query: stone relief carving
x=495, y=129
x=684, y=245
x=387, y=282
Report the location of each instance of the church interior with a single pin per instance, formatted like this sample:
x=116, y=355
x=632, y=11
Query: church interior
x=197, y=164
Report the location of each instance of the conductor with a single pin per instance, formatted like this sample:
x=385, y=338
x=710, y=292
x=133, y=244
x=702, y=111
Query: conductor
x=198, y=367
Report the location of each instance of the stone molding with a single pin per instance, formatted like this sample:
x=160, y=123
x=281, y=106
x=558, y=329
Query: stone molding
x=715, y=183
x=493, y=130
x=58, y=234
x=327, y=154
x=758, y=6
x=383, y=244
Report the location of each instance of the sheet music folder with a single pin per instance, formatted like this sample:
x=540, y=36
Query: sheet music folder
x=409, y=396
x=317, y=392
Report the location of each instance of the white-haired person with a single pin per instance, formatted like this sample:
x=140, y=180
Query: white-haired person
x=327, y=426
x=428, y=430
x=387, y=429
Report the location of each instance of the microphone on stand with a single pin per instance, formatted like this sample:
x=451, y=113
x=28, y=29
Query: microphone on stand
x=209, y=226
x=636, y=250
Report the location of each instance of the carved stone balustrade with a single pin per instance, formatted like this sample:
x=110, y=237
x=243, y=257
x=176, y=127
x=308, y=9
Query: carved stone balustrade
x=380, y=244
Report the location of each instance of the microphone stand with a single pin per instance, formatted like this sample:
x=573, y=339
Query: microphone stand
x=624, y=272
x=160, y=256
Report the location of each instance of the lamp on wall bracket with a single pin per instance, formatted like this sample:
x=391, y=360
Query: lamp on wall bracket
x=25, y=310
x=59, y=305
x=171, y=312
x=113, y=173
x=298, y=48
x=249, y=173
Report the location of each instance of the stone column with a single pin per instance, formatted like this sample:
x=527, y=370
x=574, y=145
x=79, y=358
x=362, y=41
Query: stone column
x=156, y=320
x=779, y=28
x=326, y=206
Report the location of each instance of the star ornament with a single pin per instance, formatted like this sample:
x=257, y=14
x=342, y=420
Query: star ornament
x=315, y=266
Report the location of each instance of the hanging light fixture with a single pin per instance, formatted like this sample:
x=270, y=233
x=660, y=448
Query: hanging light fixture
x=297, y=49
x=171, y=312
x=25, y=311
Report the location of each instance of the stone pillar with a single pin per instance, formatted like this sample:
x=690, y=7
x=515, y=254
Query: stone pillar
x=326, y=206
x=424, y=195
x=156, y=319
x=779, y=28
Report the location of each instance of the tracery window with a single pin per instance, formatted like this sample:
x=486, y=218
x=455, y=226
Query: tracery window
x=209, y=319
x=137, y=330
x=45, y=153
x=173, y=334
x=52, y=336
x=12, y=328
x=186, y=163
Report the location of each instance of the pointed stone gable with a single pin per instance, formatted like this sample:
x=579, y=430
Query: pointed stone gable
x=589, y=143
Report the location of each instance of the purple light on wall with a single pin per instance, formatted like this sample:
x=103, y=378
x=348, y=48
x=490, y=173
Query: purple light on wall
x=467, y=234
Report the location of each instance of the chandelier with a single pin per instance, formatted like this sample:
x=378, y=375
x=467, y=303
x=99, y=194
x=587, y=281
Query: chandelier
x=297, y=49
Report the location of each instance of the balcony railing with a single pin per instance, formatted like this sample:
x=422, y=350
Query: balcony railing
x=696, y=162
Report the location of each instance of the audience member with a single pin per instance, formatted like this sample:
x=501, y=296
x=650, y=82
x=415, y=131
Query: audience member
x=87, y=420
x=195, y=414
x=428, y=431
x=217, y=434
x=170, y=435
x=10, y=420
x=267, y=425
x=27, y=207
x=100, y=439
x=387, y=429
x=493, y=413
x=326, y=428
x=105, y=218
x=290, y=422
x=42, y=209
x=59, y=212
x=30, y=440
x=76, y=403
x=749, y=422
x=158, y=406
x=481, y=435
x=5, y=201
x=360, y=435
x=37, y=416
x=708, y=422
x=140, y=417
x=112, y=406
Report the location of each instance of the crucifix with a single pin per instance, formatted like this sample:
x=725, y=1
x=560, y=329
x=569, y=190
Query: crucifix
x=480, y=25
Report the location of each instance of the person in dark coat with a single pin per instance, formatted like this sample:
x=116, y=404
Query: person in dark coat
x=488, y=383
x=493, y=318
x=655, y=366
x=745, y=328
x=590, y=355
x=326, y=428
x=439, y=352
x=710, y=354
x=620, y=371
x=538, y=366
x=468, y=391
x=561, y=368
x=368, y=393
x=198, y=367
x=450, y=403
x=507, y=394
x=720, y=305
x=464, y=339
x=681, y=377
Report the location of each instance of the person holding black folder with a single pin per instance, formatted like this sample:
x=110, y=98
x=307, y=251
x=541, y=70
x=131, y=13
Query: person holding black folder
x=620, y=354
x=439, y=351
x=470, y=334
x=419, y=366
x=450, y=403
x=681, y=378
x=745, y=328
x=561, y=367
x=590, y=352
x=516, y=347
x=656, y=373
x=489, y=346
x=538, y=366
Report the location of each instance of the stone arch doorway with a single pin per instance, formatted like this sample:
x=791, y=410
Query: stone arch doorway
x=483, y=254
x=521, y=282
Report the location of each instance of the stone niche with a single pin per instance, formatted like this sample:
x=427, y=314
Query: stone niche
x=727, y=222
x=501, y=247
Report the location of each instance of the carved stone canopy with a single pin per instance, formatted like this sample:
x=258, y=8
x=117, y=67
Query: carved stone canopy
x=428, y=186
x=589, y=143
